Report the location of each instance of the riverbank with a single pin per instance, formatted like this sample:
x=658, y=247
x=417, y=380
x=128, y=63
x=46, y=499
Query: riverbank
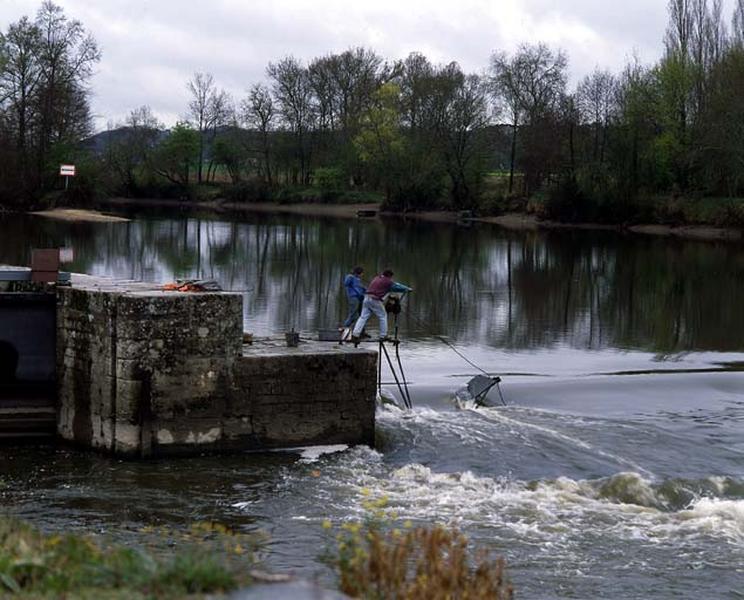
x=521, y=221
x=515, y=221
x=343, y=211
x=79, y=215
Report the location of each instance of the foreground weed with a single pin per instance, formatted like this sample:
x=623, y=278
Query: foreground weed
x=36, y=565
x=376, y=561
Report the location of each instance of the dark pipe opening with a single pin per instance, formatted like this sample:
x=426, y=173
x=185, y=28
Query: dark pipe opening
x=8, y=362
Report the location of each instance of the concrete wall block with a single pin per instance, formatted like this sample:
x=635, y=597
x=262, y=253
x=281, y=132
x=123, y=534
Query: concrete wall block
x=172, y=405
x=163, y=373
x=129, y=394
x=128, y=440
x=296, y=432
x=65, y=418
x=237, y=426
x=197, y=432
x=131, y=350
x=128, y=368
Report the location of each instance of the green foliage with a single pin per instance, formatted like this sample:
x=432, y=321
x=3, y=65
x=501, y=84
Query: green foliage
x=411, y=177
x=567, y=202
x=195, y=574
x=89, y=183
x=420, y=189
x=380, y=143
x=252, y=190
x=228, y=152
x=177, y=155
x=329, y=179
x=593, y=197
x=36, y=565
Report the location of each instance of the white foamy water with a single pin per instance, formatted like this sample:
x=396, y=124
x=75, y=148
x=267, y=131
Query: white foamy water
x=627, y=505
x=313, y=453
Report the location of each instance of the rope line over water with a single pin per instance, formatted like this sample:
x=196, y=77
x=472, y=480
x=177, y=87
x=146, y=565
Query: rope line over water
x=452, y=347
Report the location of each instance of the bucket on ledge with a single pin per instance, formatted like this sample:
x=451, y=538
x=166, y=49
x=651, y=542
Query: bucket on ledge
x=293, y=339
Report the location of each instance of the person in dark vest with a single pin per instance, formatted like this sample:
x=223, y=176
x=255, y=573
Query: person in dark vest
x=374, y=303
x=354, y=295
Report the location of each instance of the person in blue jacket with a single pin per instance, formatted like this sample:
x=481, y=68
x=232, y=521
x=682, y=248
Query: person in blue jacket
x=354, y=294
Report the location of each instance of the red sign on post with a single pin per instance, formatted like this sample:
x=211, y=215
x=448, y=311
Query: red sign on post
x=67, y=170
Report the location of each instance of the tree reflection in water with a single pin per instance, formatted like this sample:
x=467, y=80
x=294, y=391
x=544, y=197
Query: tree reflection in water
x=477, y=285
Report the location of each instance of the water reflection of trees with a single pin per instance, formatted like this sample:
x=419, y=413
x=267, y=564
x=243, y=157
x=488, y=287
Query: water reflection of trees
x=518, y=290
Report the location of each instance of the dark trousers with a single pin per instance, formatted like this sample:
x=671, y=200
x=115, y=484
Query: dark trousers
x=355, y=309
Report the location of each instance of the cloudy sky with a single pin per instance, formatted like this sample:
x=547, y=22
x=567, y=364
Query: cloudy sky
x=151, y=47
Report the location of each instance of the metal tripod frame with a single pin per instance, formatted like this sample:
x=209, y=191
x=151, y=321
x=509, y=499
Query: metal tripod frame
x=401, y=382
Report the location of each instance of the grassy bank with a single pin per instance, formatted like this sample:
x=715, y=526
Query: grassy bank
x=36, y=565
x=702, y=217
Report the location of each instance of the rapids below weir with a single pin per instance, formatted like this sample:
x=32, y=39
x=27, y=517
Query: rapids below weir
x=615, y=471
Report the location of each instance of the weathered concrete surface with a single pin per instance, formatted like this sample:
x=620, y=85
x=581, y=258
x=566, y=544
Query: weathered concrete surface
x=143, y=372
x=277, y=397
x=318, y=393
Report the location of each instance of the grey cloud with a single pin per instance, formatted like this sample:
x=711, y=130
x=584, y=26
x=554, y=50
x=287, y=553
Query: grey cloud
x=151, y=48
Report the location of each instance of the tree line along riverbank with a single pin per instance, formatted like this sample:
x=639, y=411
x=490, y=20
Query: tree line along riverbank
x=651, y=144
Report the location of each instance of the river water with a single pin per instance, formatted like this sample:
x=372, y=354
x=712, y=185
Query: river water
x=616, y=470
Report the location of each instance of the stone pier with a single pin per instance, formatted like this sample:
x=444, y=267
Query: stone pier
x=142, y=372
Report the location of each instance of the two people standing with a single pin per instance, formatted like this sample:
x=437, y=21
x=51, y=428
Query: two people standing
x=373, y=303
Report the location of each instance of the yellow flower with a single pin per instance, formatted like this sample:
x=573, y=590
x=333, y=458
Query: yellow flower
x=327, y=524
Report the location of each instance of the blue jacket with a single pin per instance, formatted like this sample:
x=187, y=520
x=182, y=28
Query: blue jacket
x=354, y=288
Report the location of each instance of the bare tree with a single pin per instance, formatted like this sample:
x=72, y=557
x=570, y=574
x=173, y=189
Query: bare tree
x=680, y=28
x=415, y=81
x=526, y=86
x=67, y=54
x=202, y=90
x=321, y=74
x=20, y=77
x=46, y=66
x=462, y=114
x=356, y=75
x=695, y=40
x=506, y=87
x=595, y=100
x=221, y=112
x=293, y=94
x=717, y=35
x=737, y=23
x=258, y=112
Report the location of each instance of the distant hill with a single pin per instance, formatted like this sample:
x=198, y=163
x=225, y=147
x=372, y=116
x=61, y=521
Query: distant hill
x=99, y=143
x=496, y=139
